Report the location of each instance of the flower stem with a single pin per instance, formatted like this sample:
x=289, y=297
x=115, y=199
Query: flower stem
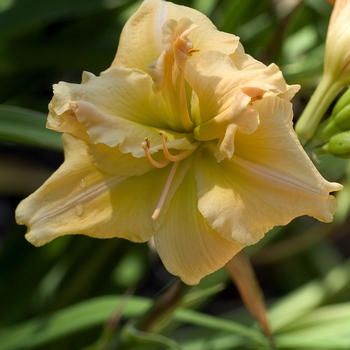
x=321, y=99
x=158, y=316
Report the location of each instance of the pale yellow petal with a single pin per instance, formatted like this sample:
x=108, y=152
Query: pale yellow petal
x=111, y=130
x=244, y=62
x=112, y=161
x=124, y=93
x=225, y=94
x=145, y=26
x=80, y=199
x=118, y=108
x=187, y=245
x=269, y=180
x=216, y=80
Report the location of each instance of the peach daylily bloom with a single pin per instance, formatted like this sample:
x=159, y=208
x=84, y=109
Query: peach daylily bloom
x=185, y=138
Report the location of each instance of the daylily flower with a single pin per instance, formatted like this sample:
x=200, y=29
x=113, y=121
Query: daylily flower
x=337, y=56
x=336, y=72
x=184, y=138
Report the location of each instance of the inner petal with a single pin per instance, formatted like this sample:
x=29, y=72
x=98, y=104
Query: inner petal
x=167, y=71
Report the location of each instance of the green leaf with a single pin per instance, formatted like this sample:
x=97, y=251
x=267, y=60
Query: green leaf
x=134, y=337
x=325, y=328
x=217, y=323
x=94, y=312
x=67, y=321
x=309, y=297
x=25, y=126
x=25, y=13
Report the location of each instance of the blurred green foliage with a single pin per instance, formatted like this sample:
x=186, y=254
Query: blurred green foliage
x=62, y=295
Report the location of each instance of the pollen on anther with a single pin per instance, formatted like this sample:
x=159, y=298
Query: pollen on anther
x=148, y=143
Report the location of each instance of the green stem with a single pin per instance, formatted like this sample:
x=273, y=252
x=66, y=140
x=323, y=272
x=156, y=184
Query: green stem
x=321, y=99
x=159, y=314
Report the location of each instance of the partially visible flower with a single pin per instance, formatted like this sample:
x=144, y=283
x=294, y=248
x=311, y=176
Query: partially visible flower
x=336, y=73
x=185, y=138
x=337, y=55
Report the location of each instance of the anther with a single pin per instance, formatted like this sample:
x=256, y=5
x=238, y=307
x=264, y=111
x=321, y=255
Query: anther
x=161, y=164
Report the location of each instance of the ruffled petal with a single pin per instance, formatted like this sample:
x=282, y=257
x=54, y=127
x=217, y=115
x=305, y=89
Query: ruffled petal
x=116, y=109
x=145, y=26
x=216, y=80
x=225, y=96
x=123, y=93
x=80, y=199
x=187, y=245
x=268, y=181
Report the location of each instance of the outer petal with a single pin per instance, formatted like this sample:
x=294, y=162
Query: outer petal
x=246, y=62
x=148, y=21
x=187, y=245
x=80, y=199
x=269, y=180
x=112, y=131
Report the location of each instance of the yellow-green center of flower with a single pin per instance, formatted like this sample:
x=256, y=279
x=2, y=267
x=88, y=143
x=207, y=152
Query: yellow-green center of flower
x=167, y=73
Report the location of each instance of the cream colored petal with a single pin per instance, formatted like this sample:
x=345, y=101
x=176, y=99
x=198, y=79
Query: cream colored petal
x=187, y=245
x=269, y=180
x=112, y=161
x=112, y=131
x=167, y=70
x=246, y=62
x=118, y=108
x=124, y=93
x=216, y=80
x=145, y=26
x=79, y=199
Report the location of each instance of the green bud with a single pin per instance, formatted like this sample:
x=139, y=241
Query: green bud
x=342, y=102
x=342, y=118
x=338, y=121
x=339, y=145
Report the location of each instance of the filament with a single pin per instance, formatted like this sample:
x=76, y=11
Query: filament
x=169, y=156
x=156, y=164
x=165, y=191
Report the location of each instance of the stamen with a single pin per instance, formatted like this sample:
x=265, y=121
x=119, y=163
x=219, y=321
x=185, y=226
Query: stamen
x=168, y=155
x=165, y=191
x=161, y=164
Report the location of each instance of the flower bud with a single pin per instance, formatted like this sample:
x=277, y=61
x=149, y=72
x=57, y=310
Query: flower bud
x=339, y=145
x=338, y=121
x=336, y=72
x=337, y=56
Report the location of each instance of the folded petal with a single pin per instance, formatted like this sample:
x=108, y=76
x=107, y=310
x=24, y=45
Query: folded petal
x=80, y=199
x=268, y=181
x=216, y=80
x=148, y=22
x=118, y=108
x=187, y=245
x=124, y=93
